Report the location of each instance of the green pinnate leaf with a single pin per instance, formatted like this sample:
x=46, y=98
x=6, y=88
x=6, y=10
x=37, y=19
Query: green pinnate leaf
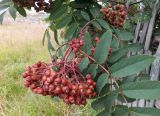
x=70, y=31
x=95, y=11
x=102, y=48
x=122, y=52
x=85, y=15
x=137, y=111
x=12, y=11
x=116, y=55
x=21, y=11
x=88, y=44
x=96, y=24
x=1, y=18
x=92, y=69
x=135, y=47
x=142, y=90
x=64, y=21
x=59, y=12
x=44, y=37
x=78, y=5
x=103, y=23
x=83, y=64
x=104, y=113
x=124, y=35
x=101, y=82
x=106, y=102
x=56, y=37
x=5, y=3
x=50, y=46
x=121, y=111
x=131, y=65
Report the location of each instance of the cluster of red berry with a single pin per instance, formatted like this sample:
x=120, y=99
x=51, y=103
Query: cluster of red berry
x=38, y=5
x=76, y=44
x=115, y=14
x=64, y=83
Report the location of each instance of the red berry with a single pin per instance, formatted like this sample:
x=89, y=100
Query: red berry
x=46, y=83
x=28, y=79
x=75, y=49
x=93, y=49
x=97, y=39
x=45, y=87
x=94, y=94
x=81, y=42
x=33, y=86
x=64, y=82
x=70, y=43
x=40, y=91
x=90, y=81
x=50, y=80
x=78, y=101
x=94, y=84
x=77, y=45
x=48, y=73
x=58, y=90
x=73, y=92
x=58, y=80
x=24, y=75
x=81, y=87
x=44, y=78
x=91, y=87
x=65, y=89
x=54, y=74
x=89, y=92
x=83, y=92
x=51, y=87
x=74, y=87
x=71, y=99
x=34, y=77
x=35, y=90
x=26, y=83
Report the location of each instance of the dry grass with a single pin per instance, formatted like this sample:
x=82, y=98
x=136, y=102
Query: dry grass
x=20, y=46
x=20, y=34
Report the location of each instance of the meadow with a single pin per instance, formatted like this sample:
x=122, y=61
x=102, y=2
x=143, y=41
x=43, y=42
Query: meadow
x=20, y=46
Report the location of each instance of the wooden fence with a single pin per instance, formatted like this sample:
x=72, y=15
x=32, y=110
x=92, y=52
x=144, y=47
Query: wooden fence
x=143, y=35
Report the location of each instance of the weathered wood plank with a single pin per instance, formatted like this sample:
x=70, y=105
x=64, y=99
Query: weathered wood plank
x=151, y=26
x=155, y=70
x=137, y=31
x=155, y=75
x=143, y=33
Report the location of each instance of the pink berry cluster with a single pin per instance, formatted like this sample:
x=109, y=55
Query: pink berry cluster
x=76, y=44
x=115, y=14
x=66, y=83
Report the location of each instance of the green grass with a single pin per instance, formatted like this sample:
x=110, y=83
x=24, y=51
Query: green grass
x=15, y=100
